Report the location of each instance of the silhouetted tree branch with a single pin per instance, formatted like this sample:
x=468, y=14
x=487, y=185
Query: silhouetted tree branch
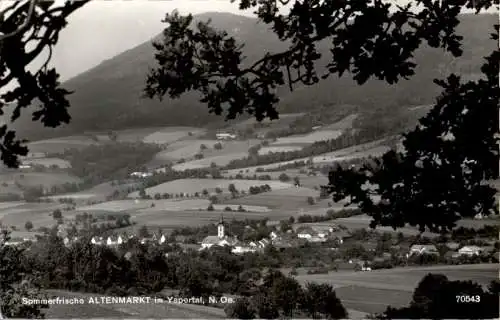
x=439, y=178
x=28, y=28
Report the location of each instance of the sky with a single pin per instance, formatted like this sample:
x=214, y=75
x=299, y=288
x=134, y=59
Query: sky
x=105, y=28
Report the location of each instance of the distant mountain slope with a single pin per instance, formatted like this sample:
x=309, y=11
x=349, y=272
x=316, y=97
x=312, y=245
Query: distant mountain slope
x=109, y=95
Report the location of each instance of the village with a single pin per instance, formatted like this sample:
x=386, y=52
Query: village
x=358, y=250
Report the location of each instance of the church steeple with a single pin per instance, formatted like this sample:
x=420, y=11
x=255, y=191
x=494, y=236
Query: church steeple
x=220, y=228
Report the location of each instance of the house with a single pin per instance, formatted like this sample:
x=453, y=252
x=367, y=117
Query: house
x=14, y=242
x=97, y=241
x=239, y=249
x=69, y=241
x=339, y=235
x=139, y=174
x=317, y=239
x=423, y=249
x=114, y=241
x=469, y=251
x=274, y=235
x=263, y=243
x=305, y=232
x=225, y=136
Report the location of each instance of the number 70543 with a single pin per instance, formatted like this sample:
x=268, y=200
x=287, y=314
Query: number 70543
x=468, y=299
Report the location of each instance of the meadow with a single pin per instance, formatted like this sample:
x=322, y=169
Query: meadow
x=38, y=213
x=293, y=199
x=58, y=145
x=277, y=149
x=197, y=185
x=32, y=179
x=169, y=220
x=220, y=160
x=171, y=134
x=363, y=150
x=98, y=192
x=146, y=311
x=373, y=291
x=320, y=135
x=363, y=222
x=184, y=149
x=48, y=162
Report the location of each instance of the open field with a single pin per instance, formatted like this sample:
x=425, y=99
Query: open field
x=284, y=118
x=197, y=185
x=310, y=138
x=292, y=199
x=142, y=311
x=38, y=213
x=406, y=278
x=363, y=221
x=276, y=149
x=58, y=145
x=97, y=193
x=374, y=291
x=373, y=152
x=31, y=179
x=220, y=160
x=171, y=134
x=11, y=204
x=362, y=150
x=343, y=124
x=184, y=149
x=169, y=220
x=48, y=162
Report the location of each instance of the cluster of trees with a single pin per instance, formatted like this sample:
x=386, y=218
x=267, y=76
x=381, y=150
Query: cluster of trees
x=436, y=297
x=108, y=161
x=281, y=296
x=331, y=214
x=259, y=189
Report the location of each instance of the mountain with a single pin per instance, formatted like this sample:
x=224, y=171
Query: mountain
x=109, y=96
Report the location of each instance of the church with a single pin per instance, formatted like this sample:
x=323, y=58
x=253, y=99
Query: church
x=221, y=239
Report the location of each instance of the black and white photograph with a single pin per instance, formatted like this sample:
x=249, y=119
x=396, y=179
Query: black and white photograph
x=249, y=159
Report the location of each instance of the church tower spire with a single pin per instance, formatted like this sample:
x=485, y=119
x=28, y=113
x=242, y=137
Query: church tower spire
x=220, y=228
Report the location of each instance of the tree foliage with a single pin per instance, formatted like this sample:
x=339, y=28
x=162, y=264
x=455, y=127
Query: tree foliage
x=30, y=29
x=436, y=297
x=438, y=179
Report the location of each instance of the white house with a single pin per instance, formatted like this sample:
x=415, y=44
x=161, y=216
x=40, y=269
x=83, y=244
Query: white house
x=469, y=251
x=273, y=235
x=225, y=136
x=305, y=233
x=141, y=174
x=97, y=241
x=242, y=249
x=423, y=248
x=114, y=241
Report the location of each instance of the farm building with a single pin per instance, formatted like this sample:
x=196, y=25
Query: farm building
x=141, y=174
x=470, y=251
x=423, y=249
x=225, y=136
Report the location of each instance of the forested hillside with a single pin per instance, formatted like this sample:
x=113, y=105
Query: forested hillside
x=109, y=96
